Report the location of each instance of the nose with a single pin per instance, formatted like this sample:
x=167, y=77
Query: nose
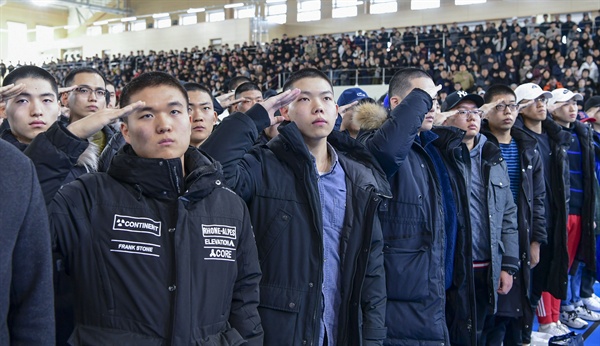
x=318, y=106
x=163, y=124
x=36, y=108
x=92, y=96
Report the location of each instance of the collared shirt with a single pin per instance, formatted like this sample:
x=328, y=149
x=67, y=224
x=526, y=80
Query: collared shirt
x=478, y=206
x=332, y=191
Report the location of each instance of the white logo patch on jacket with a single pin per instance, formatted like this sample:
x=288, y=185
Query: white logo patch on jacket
x=136, y=224
x=220, y=241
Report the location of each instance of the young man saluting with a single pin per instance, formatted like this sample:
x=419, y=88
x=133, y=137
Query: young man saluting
x=160, y=253
x=313, y=196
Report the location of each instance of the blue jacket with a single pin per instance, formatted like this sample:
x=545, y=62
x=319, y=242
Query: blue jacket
x=412, y=222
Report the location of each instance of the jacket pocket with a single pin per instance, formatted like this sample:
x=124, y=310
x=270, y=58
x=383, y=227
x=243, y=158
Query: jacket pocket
x=279, y=309
x=407, y=273
x=500, y=185
x=266, y=240
x=227, y=337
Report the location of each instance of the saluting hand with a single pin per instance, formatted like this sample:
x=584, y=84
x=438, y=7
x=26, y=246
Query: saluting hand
x=10, y=91
x=274, y=103
x=93, y=123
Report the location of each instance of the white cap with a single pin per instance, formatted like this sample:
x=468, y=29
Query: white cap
x=530, y=91
x=563, y=95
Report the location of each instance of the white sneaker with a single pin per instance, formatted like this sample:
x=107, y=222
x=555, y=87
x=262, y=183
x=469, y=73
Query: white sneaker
x=570, y=319
x=592, y=303
x=562, y=327
x=586, y=314
x=551, y=328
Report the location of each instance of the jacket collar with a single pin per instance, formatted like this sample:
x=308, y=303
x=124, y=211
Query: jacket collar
x=290, y=148
x=163, y=178
x=10, y=138
x=524, y=139
x=448, y=137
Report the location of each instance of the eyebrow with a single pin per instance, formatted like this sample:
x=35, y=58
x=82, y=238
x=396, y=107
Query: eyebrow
x=90, y=87
x=170, y=104
x=41, y=95
x=304, y=92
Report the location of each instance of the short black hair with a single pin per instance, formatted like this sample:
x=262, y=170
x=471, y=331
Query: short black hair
x=235, y=81
x=30, y=71
x=400, y=84
x=191, y=86
x=150, y=80
x=246, y=87
x=305, y=73
x=68, y=81
x=497, y=89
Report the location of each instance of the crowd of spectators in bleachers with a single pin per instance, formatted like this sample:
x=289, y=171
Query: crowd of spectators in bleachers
x=552, y=54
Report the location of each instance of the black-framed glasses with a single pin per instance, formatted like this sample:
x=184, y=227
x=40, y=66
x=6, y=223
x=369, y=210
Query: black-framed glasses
x=85, y=91
x=502, y=107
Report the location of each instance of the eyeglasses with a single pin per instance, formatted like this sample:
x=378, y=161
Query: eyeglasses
x=502, y=107
x=86, y=92
x=469, y=114
x=541, y=99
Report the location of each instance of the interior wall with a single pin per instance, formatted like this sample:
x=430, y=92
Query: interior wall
x=447, y=13
x=177, y=37
x=239, y=31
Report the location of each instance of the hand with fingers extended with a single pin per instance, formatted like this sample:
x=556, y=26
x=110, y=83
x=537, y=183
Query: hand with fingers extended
x=93, y=123
x=274, y=103
x=441, y=117
x=10, y=91
x=486, y=108
x=227, y=100
x=434, y=91
x=342, y=109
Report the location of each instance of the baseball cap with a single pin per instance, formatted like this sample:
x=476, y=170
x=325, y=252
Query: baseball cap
x=457, y=97
x=530, y=91
x=594, y=101
x=350, y=95
x=562, y=95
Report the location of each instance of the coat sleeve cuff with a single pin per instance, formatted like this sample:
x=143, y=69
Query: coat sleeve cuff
x=260, y=116
x=510, y=263
x=374, y=333
x=65, y=141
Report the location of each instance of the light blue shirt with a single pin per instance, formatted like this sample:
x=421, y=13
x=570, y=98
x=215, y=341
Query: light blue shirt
x=332, y=191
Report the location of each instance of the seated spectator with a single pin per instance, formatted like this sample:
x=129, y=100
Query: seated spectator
x=551, y=84
x=464, y=77
x=568, y=80
x=591, y=67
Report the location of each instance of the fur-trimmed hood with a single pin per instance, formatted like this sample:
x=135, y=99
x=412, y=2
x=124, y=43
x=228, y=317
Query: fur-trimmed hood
x=89, y=158
x=369, y=116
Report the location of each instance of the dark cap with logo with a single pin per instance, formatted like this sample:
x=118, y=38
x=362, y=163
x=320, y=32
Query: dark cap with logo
x=350, y=95
x=457, y=97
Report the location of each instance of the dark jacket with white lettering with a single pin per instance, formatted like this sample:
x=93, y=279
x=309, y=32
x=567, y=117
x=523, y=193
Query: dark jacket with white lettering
x=158, y=258
x=413, y=222
x=279, y=182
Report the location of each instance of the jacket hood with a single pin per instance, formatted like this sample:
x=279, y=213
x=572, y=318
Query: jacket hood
x=164, y=178
x=369, y=116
